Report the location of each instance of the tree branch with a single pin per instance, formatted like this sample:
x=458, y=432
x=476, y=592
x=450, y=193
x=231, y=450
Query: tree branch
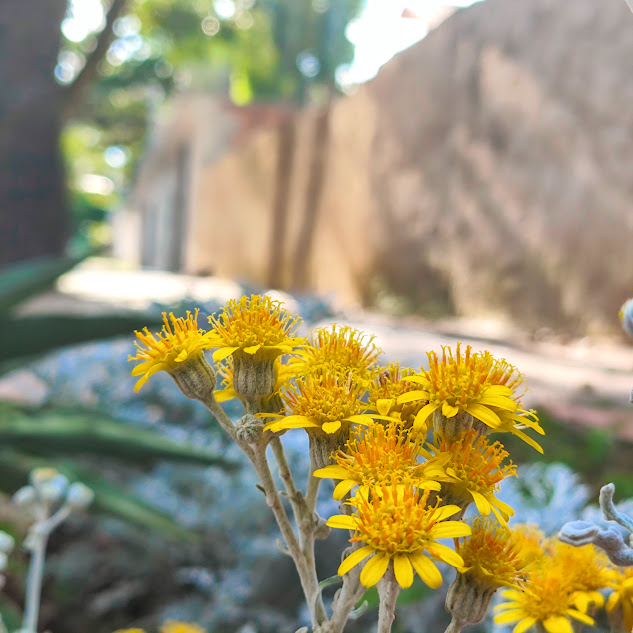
x=75, y=91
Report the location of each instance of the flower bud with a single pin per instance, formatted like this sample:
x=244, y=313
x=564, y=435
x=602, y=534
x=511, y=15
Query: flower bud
x=25, y=496
x=79, y=496
x=468, y=599
x=195, y=377
x=626, y=317
x=254, y=375
x=53, y=489
x=249, y=429
x=7, y=542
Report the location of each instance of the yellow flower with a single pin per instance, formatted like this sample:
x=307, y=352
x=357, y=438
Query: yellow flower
x=178, y=342
x=589, y=570
x=494, y=555
x=256, y=326
x=622, y=596
x=338, y=350
x=465, y=383
x=398, y=526
x=324, y=403
x=172, y=626
x=474, y=468
x=549, y=602
x=380, y=455
x=384, y=392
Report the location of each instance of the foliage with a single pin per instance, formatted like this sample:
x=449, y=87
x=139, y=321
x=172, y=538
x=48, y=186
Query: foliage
x=271, y=50
x=32, y=437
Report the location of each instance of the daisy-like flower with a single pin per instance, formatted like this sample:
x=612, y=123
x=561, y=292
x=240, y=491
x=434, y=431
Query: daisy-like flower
x=385, y=389
x=494, y=555
x=549, y=601
x=474, y=468
x=341, y=351
x=179, y=341
x=589, y=571
x=322, y=403
x=172, y=626
x=493, y=558
x=399, y=528
x=255, y=331
x=620, y=602
x=256, y=326
x=468, y=383
x=381, y=455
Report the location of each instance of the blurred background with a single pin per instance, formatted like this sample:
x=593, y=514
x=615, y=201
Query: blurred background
x=425, y=170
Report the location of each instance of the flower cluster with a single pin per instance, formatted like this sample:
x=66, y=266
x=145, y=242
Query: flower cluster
x=408, y=452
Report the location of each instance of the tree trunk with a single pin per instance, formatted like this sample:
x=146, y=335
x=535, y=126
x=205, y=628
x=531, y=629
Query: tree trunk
x=277, y=243
x=314, y=189
x=33, y=214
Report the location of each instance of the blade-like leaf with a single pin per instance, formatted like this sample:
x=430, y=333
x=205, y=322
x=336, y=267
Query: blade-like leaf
x=34, y=335
x=68, y=432
x=24, y=280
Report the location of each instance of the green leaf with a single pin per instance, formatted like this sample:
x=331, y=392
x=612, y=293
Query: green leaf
x=33, y=335
x=72, y=432
x=24, y=280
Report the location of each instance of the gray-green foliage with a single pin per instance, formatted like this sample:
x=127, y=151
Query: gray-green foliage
x=42, y=436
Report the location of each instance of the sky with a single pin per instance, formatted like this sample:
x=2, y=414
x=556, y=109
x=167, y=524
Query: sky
x=378, y=33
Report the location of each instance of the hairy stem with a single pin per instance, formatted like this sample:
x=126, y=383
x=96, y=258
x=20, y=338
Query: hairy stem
x=34, y=580
x=454, y=627
x=388, y=590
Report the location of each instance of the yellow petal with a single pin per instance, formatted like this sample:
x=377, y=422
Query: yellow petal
x=499, y=390
x=483, y=505
x=558, y=624
x=343, y=521
x=353, y=559
x=423, y=415
x=426, y=569
x=364, y=418
x=222, y=395
x=502, y=519
x=504, y=507
x=342, y=488
x=501, y=402
x=613, y=601
x=443, y=512
x=528, y=440
x=509, y=616
x=374, y=569
x=525, y=624
x=331, y=472
x=417, y=378
x=449, y=411
x=383, y=405
x=582, y=617
x=403, y=570
x=223, y=352
x=253, y=349
x=294, y=422
x=449, y=529
x=331, y=427
x=182, y=356
x=446, y=554
x=486, y=415
x=412, y=396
